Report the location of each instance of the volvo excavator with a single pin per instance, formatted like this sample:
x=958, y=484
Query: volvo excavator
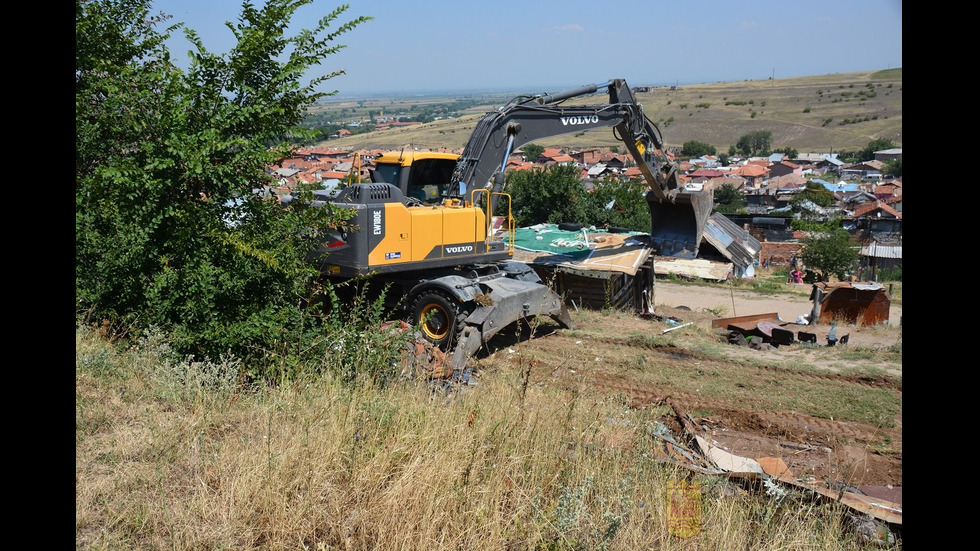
x=438, y=227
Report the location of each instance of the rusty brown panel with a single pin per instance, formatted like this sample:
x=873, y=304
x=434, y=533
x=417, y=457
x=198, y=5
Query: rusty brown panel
x=744, y=322
x=850, y=305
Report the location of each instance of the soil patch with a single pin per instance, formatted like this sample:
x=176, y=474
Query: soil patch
x=630, y=355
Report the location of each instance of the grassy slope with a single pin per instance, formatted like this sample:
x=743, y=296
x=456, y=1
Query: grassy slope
x=173, y=455
x=778, y=105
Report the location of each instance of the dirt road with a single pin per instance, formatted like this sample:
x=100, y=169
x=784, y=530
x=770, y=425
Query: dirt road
x=708, y=303
x=731, y=303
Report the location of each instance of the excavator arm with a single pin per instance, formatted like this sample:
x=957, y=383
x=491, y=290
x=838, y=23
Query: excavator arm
x=678, y=215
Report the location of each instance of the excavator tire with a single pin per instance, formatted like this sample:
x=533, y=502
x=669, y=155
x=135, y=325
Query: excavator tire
x=436, y=314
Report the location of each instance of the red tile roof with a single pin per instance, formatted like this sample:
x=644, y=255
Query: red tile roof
x=751, y=171
x=868, y=209
x=707, y=173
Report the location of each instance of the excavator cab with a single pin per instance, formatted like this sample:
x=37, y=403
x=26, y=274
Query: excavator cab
x=420, y=175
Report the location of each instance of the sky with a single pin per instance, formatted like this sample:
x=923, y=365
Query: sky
x=432, y=46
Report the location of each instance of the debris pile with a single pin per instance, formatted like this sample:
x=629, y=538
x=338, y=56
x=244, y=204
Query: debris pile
x=693, y=450
x=423, y=361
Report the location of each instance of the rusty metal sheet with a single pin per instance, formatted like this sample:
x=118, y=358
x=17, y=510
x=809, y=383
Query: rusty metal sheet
x=744, y=323
x=766, y=327
x=775, y=466
x=862, y=304
x=881, y=509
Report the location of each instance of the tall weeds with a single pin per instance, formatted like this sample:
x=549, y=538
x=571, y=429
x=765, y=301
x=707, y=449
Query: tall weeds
x=176, y=455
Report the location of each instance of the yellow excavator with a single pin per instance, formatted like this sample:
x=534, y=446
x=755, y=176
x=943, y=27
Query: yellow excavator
x=427, y=224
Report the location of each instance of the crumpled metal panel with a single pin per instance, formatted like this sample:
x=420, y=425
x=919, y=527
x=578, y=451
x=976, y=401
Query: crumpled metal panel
x=735, y=243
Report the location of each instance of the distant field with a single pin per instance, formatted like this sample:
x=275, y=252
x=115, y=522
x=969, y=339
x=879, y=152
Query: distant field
x=815, y=114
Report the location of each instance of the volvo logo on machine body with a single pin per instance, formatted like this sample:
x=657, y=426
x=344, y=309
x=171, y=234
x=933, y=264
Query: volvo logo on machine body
x=580, y=119
x=458, y=249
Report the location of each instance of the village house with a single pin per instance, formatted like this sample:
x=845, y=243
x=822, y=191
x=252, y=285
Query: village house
x=870, y=208
x=586, y=156
x=867, y=171
x=782, y=168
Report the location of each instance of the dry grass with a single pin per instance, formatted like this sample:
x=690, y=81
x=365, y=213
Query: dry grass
x=844, y=111
x=698, y=362
x=173, y=456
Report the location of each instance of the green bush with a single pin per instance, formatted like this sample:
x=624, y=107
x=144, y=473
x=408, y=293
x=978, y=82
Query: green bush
x=890, y=274
x=168, y=230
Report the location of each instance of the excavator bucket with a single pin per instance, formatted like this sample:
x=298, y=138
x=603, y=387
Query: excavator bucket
x=678, y=222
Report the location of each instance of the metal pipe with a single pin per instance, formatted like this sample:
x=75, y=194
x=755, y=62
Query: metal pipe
x=676, y=328
x=587, y=89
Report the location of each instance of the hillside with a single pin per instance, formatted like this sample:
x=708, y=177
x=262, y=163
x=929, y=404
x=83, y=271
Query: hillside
x=814, y=114
x=561, y=436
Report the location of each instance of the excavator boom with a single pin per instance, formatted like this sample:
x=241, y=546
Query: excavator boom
x=677, y=215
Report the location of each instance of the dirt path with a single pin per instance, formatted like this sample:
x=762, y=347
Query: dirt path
x=707, y=303
x=730, y=303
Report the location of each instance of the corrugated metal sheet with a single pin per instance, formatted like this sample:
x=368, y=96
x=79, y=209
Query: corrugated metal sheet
x=844, y=186
x=882, y=251
x=731, y=240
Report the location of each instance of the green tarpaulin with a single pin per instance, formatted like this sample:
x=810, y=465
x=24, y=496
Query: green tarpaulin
x=547, y=238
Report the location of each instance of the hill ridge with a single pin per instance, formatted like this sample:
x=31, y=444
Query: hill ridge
x=814, y=114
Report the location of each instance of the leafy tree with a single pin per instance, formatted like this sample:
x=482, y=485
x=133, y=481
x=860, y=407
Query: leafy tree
x=618, y=203
x=168, y=230
x=788, y=151
x=532, y=151
x=815, y=226
x=551, y=194
x=894, y=167
x=729, y=199
x=868, y=153
x=848, y=156
x=755, y=143
x=696, y=149
x=725, y=159
x=814, y=193
x=829, y=253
